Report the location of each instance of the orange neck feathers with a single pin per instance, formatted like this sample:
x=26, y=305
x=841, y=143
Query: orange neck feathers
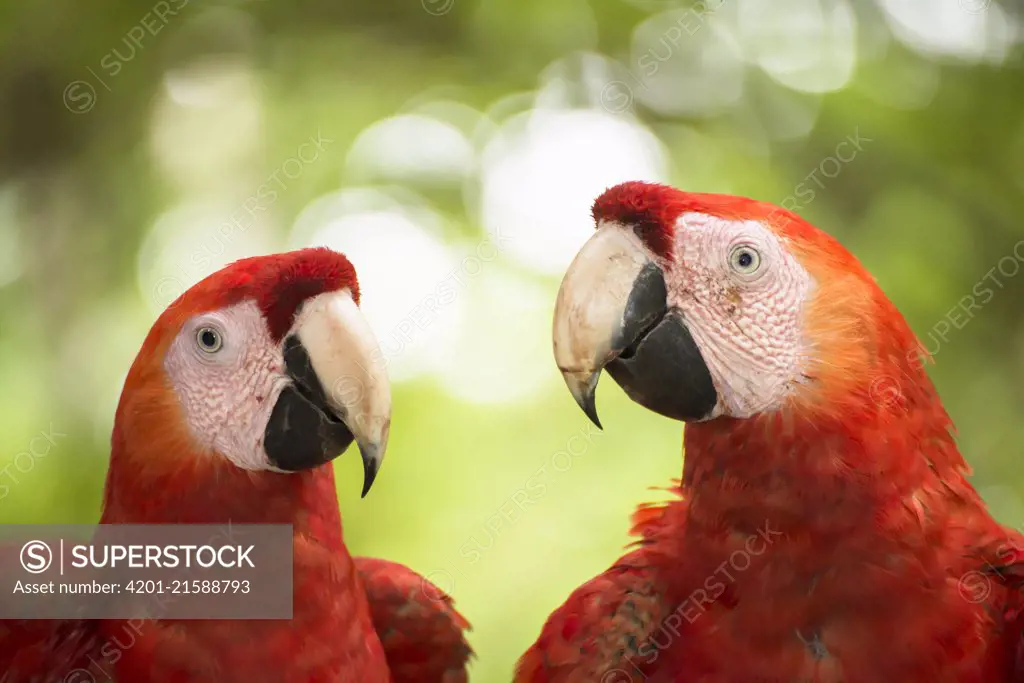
x=863, y=440
x=206, y=490
x=156, y=476
x=159, y=474
x=864, y=436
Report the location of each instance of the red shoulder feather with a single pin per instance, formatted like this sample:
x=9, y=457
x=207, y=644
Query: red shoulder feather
x=417, y=624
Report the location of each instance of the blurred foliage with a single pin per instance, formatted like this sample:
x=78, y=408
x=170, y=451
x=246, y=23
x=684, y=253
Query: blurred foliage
x=210, y=100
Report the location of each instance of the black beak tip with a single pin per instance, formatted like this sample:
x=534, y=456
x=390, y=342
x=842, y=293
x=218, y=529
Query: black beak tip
x=585, y=393
x=370, y=468
x=589, y=405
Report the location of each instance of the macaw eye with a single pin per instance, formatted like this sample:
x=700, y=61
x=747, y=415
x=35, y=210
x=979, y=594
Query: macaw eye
x=209, y=339
x=745, y=260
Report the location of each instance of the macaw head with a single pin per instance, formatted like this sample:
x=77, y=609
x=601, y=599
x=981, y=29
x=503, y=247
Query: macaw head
x=261, y=371
x=703, y=306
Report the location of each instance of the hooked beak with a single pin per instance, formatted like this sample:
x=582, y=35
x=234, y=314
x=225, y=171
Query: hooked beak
x=612, y=312
x=339, y=391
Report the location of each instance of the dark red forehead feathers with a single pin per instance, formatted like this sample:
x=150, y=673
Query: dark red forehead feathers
x=279, y=284
x=650, y=209
x=291, y=278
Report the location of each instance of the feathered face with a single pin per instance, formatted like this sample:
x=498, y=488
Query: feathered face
x=268, y=364
x=702, y=306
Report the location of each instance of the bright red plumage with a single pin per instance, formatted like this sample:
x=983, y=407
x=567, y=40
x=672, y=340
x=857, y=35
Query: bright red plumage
x=349, y=622
x=417, y=624
x=834, y=541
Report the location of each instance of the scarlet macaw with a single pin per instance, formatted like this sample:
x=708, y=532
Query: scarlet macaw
x=245, y=389
x=824, y=529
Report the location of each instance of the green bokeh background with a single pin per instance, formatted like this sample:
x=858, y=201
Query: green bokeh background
x=512, y=502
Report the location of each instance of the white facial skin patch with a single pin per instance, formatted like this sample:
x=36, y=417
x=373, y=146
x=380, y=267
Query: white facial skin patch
x=742, y=295
x=228, y=373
